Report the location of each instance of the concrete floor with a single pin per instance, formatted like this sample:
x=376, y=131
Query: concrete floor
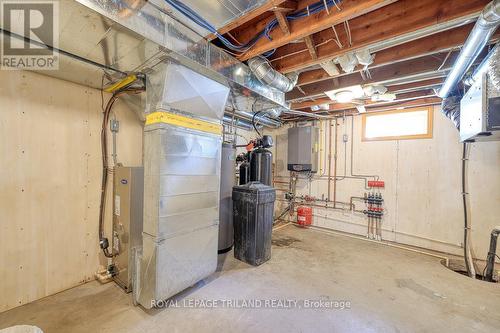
x=389, y=290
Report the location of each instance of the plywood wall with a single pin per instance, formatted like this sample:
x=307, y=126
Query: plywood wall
x=50, y=173
x=423, y=186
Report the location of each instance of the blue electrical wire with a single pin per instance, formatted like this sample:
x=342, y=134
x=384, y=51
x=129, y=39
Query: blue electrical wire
x=266, y=32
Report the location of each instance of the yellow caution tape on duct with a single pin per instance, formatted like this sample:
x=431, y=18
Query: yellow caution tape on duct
x=183, y=121
x=121, y=84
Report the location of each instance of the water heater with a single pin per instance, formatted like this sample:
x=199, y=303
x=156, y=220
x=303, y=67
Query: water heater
x=303, y=148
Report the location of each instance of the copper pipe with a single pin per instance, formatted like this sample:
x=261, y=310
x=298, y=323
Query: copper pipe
x=359, y=198
x=329, y=156
x=335, y=166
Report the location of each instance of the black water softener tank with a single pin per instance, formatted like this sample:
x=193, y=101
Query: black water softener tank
x=253, y=208
x=261, y=161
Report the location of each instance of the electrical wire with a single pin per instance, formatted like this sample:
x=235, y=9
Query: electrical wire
x=266, y=32
x=103, y=241
x=253, y=123
x=468, y=264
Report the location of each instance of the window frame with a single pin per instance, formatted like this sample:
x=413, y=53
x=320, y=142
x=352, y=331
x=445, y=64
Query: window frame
x=428, y=135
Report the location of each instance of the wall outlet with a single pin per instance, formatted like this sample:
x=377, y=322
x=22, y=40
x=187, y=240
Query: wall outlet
x=114, y=125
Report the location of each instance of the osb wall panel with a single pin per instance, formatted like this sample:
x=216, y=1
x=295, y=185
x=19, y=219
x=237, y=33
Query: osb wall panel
x=423, y=186
x=50, y=174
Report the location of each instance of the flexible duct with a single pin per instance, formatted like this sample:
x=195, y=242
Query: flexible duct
x=450, y=107
x=490, y=66
x=484, y=28
x=266, y=74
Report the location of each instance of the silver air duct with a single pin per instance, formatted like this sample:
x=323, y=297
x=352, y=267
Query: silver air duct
x=485, y=27
x=266, y=74
x=261, y=119
x=240, y=123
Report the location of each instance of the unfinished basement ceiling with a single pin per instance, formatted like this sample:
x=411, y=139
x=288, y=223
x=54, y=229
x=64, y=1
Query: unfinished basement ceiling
x=218, y=12
x=408, y=47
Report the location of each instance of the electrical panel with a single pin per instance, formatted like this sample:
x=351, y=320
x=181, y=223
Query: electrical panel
x=127, y=221
x=303, y=148
x=480, y=112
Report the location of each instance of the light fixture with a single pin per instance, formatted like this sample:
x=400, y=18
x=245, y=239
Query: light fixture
x=345, y=96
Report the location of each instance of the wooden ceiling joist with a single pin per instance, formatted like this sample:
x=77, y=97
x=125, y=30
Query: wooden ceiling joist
x=351, y=110
x=335, y=106
x=391, y=21
x=410, y=68
x=426, y=101
x=418, y=85
x=268, y=6
x=436, y=43
x=312, y=24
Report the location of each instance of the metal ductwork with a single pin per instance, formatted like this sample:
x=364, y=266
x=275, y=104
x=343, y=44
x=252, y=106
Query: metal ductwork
x=266, y=74
x=485, y=27
x=450, y=107
x=120, y=37
x=182, y=158
x=240, y=123
x=258, y=119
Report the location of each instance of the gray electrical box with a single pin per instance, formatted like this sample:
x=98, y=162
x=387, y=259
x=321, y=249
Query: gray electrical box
x=480, y=112
x=127, y=221
x=303, y=148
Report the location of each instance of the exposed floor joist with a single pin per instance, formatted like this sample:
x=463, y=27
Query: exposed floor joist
x=415, y=44
x=391, y=21
x=397, y=89
x=436, y=43
x=334, y=106
x=350, y=110
x=314, y=23
x=410, y=68
x=268, y=6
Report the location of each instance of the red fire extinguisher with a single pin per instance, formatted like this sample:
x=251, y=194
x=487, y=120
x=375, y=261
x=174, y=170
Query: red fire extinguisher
x=304, y=216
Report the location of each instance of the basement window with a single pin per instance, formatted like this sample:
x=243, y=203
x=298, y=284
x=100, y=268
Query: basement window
x=398, y=124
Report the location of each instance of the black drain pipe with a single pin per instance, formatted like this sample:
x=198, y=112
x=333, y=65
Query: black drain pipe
x=490, y=261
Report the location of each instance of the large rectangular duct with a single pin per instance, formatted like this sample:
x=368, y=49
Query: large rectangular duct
x=182, y=157
x=114, y=38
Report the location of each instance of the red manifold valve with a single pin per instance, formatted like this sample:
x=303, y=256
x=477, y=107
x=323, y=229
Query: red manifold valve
x=304, y=216
x=376, y=183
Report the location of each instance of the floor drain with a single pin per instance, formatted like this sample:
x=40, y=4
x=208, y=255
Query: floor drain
x=458, y=266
